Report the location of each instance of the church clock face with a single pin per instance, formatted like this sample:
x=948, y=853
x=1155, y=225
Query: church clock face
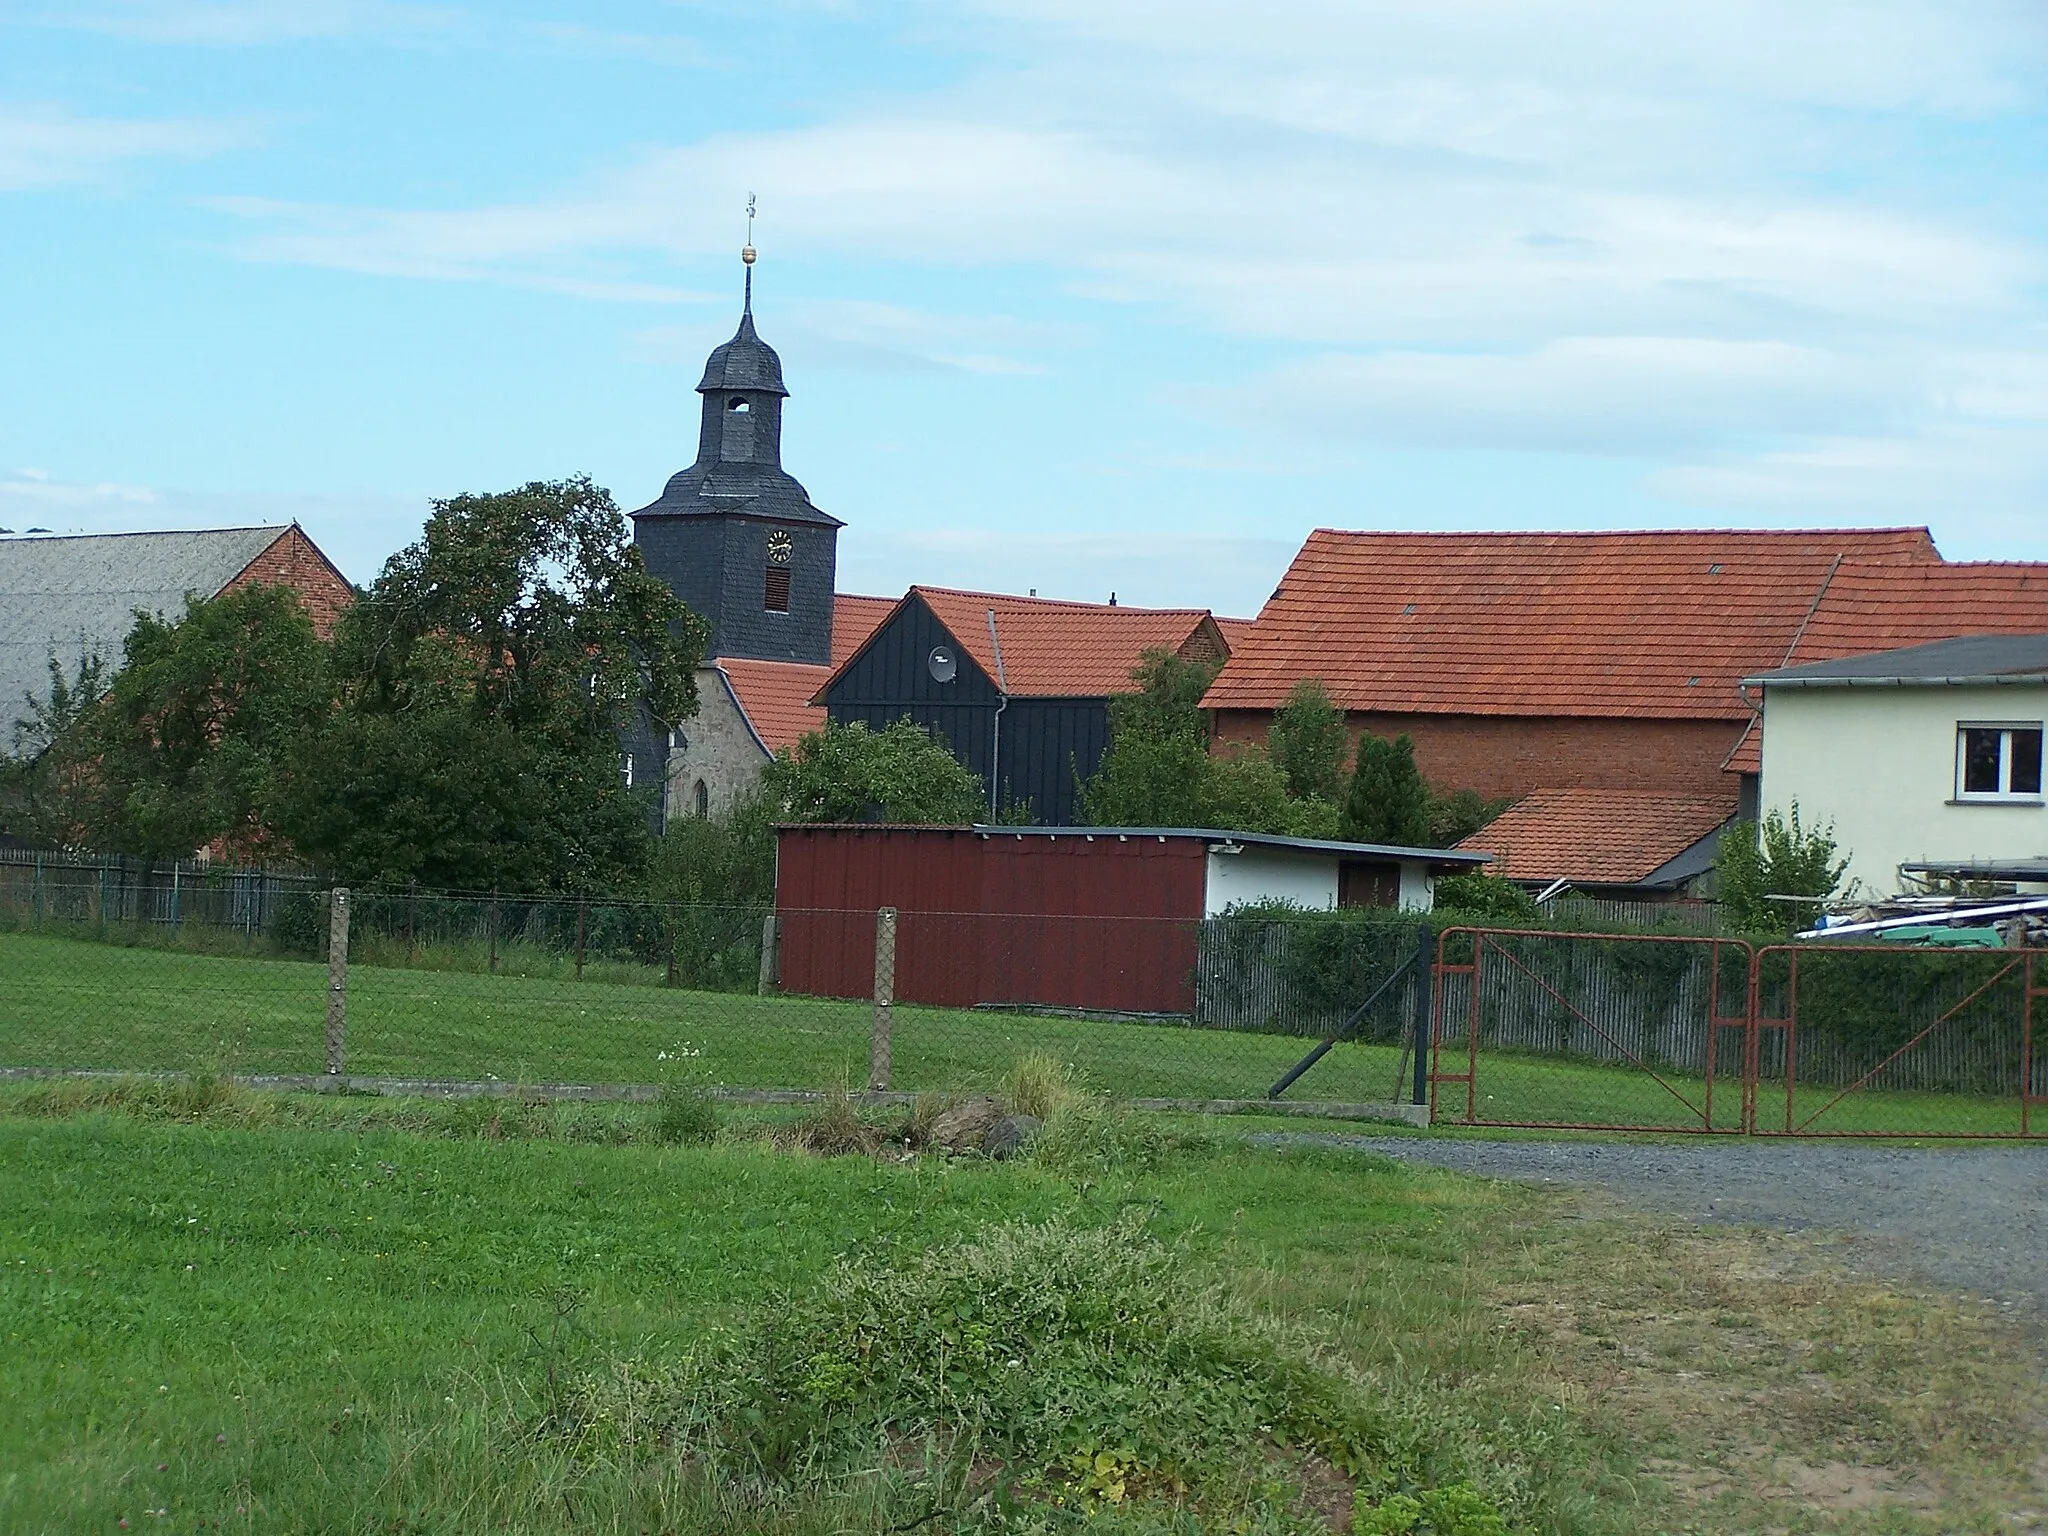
x=779, y=547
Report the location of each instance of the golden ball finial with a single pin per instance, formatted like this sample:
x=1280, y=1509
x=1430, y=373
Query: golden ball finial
x=747, y=254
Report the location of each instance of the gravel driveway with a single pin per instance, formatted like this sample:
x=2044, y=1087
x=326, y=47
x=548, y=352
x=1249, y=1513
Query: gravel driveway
x=1973, y=1218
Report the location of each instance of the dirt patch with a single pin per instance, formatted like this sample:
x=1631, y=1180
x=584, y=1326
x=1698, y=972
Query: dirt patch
x=1764, y=1385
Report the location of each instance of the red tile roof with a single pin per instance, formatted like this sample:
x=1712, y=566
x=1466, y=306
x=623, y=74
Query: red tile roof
x=775, y=696
x=1596, y=836
x=1656, y=625
x=1055, y=649
x=1870, y=607
x=1879, y=607
x=853, y=620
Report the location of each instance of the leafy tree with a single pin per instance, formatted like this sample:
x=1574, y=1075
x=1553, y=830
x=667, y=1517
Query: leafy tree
x=1455, y=815
x=850, y=773
x=485, y=679
x=1487, y=901
x=718, y=860
x=1168, y=700
x=1157, y=770
x=1779, y=857
x=43, y=786
x=188, y=746
x=1244, y=790
x=1309, y=743
x=1387, y=801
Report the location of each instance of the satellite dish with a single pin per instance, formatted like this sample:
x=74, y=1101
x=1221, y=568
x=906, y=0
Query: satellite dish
x=945, y=666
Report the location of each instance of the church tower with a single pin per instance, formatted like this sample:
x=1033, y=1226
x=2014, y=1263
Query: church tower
x=734, y=535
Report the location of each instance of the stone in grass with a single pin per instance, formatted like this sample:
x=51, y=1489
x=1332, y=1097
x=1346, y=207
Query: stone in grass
x=1008, y=1136
x=961, y=1127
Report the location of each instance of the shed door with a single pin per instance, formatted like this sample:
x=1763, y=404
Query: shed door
x=1368, y=883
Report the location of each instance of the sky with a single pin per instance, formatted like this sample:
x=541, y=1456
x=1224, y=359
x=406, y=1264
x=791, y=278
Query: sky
x=1078, y=296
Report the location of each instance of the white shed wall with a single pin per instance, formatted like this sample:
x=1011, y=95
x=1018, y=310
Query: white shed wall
x=1880, y=763
x=1306, y=879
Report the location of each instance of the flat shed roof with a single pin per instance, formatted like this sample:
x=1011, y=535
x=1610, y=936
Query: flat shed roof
x=1449, y=857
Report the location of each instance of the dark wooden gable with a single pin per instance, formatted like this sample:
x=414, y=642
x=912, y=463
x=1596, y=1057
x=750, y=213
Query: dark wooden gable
x=894, y=666
x=890, y=679
x=1046, y=744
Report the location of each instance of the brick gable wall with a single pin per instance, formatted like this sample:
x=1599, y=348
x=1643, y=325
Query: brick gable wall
x=295, y=561
x=1517, y=755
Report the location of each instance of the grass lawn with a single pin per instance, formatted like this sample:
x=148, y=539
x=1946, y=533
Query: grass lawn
x=340, y=1315
x=77, y=1003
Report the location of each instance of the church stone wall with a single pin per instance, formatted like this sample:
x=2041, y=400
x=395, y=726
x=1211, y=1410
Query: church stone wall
x=714, y=748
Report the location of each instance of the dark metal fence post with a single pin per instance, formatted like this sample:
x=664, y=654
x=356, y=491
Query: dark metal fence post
x=669, y=918
x=494, y=930
x=1424, y=959
x=412, y=912
x=581, y=902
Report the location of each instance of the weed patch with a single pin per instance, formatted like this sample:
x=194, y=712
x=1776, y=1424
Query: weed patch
x=1053, y=1368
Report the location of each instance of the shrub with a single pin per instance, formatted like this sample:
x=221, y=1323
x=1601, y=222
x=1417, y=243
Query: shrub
x=686, y=1117
x=1756, y=862
x=1040, y=1084
x=298, y=926
x=1486, y=901
x=1094, y=1368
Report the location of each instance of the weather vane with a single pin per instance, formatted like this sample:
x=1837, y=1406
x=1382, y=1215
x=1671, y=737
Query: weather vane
x=747, y=250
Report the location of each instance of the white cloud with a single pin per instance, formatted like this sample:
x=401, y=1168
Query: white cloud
x=43, y=147
x=1683, y=233
x=1636, y=395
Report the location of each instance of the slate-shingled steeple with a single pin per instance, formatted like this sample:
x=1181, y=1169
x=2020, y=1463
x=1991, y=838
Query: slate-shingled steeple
x=735, y=534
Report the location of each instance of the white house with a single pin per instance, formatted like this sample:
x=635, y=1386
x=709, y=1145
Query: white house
x=1929, y=755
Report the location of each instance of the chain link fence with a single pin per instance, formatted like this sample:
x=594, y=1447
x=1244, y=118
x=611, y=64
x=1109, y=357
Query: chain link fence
x=102, y=969
x=566, y=994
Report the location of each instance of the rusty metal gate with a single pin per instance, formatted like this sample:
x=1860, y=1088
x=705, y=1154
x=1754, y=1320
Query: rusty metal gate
x=1634, y=1032
x=1875, y=1040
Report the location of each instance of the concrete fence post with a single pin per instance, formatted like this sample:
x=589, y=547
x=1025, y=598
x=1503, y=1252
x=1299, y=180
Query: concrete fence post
x=771, y=955
x=885, y=998
x=1425, y=974
x=337, y=980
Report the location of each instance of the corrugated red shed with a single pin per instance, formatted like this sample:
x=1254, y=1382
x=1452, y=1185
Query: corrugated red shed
x=1102, y=918
x=1107, y=922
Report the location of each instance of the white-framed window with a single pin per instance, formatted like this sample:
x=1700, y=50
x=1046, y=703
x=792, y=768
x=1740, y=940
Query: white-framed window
x=1998, y=760
x=626, y=768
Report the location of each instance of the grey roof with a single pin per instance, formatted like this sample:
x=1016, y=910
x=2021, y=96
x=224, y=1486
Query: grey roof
x=1253, y=839
x=2021, y=871
x=745, y=362
x=74, y=595
x=1965, y=659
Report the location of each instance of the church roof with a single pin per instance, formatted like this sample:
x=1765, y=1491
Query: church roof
x=739, y=476
x=775, y=696
x=745, y=362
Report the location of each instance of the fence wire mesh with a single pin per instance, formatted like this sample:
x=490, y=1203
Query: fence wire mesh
x=105, y=968
x=1654, y=1032
x=532, y=990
